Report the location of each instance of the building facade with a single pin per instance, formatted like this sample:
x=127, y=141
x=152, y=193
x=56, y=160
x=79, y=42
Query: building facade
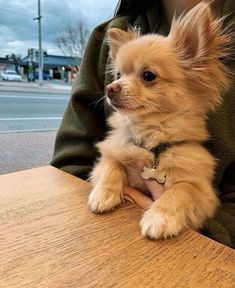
x=57, y=67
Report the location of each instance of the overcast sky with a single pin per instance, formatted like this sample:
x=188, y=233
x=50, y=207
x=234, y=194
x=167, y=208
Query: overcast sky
x=18, y=31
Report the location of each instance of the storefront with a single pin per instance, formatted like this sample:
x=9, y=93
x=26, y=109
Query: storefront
x=54, y=66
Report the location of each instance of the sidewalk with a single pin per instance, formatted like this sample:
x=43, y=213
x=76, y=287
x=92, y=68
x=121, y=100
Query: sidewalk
x=50, y=86
x=20, y=151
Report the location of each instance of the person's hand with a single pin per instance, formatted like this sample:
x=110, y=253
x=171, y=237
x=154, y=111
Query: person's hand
x=142, y=200
x=155, y=188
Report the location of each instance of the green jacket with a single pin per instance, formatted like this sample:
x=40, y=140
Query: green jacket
x=84, y=122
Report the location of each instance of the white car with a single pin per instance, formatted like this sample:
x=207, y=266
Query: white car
x=11, y=75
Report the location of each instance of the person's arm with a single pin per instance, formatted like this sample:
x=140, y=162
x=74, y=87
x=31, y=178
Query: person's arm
x=83, y=122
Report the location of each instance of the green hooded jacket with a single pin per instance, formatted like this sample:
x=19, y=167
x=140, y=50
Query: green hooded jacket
x=84, y=121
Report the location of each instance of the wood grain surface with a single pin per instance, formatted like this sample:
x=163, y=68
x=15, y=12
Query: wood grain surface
x=49, y=238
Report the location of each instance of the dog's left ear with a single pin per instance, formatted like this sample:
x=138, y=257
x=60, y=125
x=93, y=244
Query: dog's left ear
x=118, y=37
x=196, y=35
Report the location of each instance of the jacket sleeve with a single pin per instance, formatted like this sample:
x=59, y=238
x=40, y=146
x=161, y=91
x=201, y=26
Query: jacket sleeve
x=221, y=125
x=83, y=123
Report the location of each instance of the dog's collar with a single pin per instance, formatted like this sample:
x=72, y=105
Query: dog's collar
x=157, y=150
x=152, y=172
x=160, y=148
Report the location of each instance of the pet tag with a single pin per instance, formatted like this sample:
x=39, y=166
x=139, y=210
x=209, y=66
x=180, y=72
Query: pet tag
x=161, y=177
x=151, y=173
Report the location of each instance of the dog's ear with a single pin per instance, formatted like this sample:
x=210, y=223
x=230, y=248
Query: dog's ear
x=118, y=37
x=196, y=35
x=201, y=44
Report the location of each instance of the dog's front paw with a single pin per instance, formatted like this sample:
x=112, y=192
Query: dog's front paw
x=103, y=200
x=156, y=224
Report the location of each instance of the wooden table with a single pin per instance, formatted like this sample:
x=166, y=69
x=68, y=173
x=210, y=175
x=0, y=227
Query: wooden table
x=49, y=238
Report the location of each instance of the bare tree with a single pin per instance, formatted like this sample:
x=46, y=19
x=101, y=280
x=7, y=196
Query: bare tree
x=73, y=40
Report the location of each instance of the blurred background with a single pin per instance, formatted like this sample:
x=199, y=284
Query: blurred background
x=42, y=45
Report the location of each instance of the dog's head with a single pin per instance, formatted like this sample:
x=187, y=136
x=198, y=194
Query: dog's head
x=170, y=74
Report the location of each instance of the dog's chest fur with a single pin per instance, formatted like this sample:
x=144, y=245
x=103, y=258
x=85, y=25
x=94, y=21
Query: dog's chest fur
x=179, y=162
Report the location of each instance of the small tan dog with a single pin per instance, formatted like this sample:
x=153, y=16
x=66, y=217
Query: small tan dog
x=164, y=88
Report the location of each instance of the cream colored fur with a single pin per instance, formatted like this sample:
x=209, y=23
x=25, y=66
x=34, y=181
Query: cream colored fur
x=173, y=107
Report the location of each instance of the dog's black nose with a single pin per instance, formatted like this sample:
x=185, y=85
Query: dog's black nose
x=112, y=89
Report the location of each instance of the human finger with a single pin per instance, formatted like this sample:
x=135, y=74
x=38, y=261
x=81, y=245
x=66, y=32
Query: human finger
x=155, y=188
x=135, y=196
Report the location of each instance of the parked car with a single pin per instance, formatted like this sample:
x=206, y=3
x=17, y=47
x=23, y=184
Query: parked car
x=11, y=75
x=45, y=76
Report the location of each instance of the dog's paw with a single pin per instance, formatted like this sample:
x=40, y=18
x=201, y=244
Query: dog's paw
x=157, y=225
x=103, y=201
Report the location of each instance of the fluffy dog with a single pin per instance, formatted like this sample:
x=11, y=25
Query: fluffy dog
x=164, y=88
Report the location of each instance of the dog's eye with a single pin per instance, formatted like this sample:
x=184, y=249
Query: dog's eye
x=118, y=75
x=148, y=76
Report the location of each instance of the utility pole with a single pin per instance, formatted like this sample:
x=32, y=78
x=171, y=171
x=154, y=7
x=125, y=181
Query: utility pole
x=40, y=64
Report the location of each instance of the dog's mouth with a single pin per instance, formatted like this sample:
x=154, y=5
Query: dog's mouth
x=116, y=104
x=124, y=107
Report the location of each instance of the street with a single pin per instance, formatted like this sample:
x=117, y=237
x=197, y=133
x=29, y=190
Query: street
x=30, y=111
x=34, y=111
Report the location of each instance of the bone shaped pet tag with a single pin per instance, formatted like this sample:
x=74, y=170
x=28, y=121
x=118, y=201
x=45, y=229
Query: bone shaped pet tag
x=148, y=173
x=161, y=177
x=151, y=173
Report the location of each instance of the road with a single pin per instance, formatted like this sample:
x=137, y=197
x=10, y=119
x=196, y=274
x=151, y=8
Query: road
x=29, y=111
